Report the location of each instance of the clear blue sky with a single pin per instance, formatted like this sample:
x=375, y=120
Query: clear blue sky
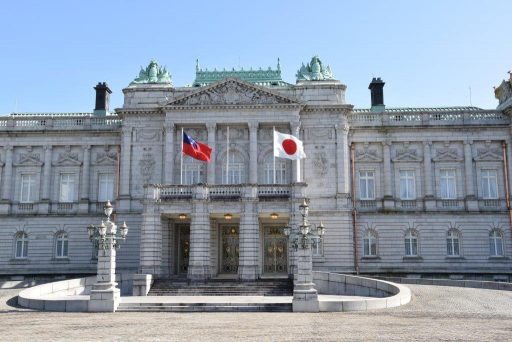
x=428, y=52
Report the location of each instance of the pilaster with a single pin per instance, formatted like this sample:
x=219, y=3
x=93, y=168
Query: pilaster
x=126, y=152
x=44, y=205
x=212, y=130
x=199, y=257
x=249, y=238
x=471, y=201
x=430, y=203
x=151, y=240
x=253, y=153
x=168, y=164
x=342, y=165
x=389, y=202
x=7, y=181
x=83, y=207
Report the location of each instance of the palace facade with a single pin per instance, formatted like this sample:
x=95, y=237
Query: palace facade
x=401, y=191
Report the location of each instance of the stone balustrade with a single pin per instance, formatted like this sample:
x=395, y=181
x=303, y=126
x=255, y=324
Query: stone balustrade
x=366, y=118
x=169, y=192
x=72, y=122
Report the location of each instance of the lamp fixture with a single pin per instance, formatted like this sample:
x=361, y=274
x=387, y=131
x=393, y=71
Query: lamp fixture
x=228, y=216
x=274, y=216
x=182, y=216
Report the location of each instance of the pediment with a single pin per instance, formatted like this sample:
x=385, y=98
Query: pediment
x=367, y=156
x=106, y=158
x=487, y=154
x=67, y=159
x=232, y=91
x=29, y=159
x=406, y=155
x=447, y=154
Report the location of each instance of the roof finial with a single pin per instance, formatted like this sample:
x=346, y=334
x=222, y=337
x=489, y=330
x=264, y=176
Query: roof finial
x=278, y=64
x=197, y=64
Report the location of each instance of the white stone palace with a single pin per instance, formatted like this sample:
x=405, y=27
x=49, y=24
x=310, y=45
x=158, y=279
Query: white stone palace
x=401, y=191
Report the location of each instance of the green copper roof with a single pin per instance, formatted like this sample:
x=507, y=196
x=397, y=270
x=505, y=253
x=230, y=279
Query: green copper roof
x=268, y=78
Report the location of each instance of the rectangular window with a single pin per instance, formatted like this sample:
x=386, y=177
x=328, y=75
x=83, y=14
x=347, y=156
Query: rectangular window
x=317, y=247
x=280, y=173
x=67, y=187
x=489, y=184
x=234, y=175
x=105, y=187
x=27, y=188
x=193, y=174
x=447, y=184
x=366, y=185
x=407, y=185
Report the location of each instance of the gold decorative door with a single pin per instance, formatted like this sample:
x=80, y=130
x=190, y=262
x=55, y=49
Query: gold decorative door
x=183, y=247
x=230, y=251
x=275, y=251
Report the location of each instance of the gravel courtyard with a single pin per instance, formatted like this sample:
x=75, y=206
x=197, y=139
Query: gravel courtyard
x=435, y=314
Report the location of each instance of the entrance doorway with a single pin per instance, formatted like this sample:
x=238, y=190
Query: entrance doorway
x=275, y=251
x=230, y=251
x=183, y=248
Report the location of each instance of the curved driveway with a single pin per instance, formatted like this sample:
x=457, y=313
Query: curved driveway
x=435, y=313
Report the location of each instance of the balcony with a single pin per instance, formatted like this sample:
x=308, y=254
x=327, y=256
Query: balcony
x=64, y=208
x=171, y=192
x=492, y=204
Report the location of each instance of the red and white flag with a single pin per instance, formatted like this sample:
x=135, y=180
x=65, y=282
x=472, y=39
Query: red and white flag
x=287, y=146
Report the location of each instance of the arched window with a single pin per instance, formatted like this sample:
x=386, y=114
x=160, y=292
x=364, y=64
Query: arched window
x=453, y=243
x=21, y=245
x=370, y=243
x=235, y=174
x=411, y=243
x=279, y=170
x=61, y=245
x=496, y=243
x=193, y=171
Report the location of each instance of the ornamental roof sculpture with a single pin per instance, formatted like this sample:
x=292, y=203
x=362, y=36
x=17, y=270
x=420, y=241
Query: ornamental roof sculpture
x=314, y=71
x=153, y=74
x=504, y=91
x=262, y=77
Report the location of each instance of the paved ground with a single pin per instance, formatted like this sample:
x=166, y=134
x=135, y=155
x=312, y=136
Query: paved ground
x=435, y=314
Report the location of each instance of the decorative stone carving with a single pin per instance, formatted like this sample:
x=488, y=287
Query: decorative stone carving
x=68, y=158
x=447, y=154
x=106, y=158
x=29, y=159
x=143, y=134
x=147, y=167
x=153, y=74
x=488, y=154
x=231, y=92
x=321, y=133
x=320, y=163
x=504, y=91
x=406, y=154
x=367, y=155
x=314, y=71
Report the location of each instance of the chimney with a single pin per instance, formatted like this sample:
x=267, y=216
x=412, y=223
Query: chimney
x=377, y=92
x=102, y=99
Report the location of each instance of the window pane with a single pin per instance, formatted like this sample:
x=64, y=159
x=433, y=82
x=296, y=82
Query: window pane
x=407, y=246
x=106, y=187
x=366, y=247
x=67, y=187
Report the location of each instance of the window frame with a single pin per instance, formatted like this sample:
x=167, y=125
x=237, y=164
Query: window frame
x=370, y=238
x=412, y=237
x=453, y=178
x=31, y=189
x=451, y=236
x=21, y=239
x=409, y=194
x=71, y=187
x=494, y=236
x=63, y=238
x=100, y=175
x=365, y=179
x=486, y=190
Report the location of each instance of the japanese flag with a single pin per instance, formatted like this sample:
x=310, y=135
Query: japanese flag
x=287, y=146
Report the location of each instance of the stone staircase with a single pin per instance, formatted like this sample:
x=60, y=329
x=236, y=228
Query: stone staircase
x=204, y=307
x=177, y=287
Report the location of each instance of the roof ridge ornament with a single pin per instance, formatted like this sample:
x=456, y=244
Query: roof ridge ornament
x=153, y=73
x=314, y=71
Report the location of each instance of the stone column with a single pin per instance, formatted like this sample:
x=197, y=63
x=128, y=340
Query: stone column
x=253, y=152
x=150, y=239
x=126, y=147
x=389, y=202
x=199, y=257
x=168, y=163
x=471, y=201
x=6, y=181
x=212, y=130
x=105, y=296
x=44, y=205
x=305, y=296
x=84, y=188
x=294, y=126
x=430, y=203
x=249, y=238
x=342, y=165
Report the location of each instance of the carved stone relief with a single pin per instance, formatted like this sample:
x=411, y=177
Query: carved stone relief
x=367, y=155
x=406, y=154
x=447, y=154
x=144, y=134
x=320, y=163
x=147, y=167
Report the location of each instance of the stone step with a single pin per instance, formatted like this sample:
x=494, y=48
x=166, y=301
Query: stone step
x=204, y=307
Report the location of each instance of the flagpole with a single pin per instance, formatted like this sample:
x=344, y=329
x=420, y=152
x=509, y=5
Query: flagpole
x=298, y=170
x=181, y=160
x=273, y=153
x=227, y=156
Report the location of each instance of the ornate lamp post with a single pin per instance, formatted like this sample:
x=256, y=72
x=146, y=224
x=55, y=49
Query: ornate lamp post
x=106, y=237
x=305, y=296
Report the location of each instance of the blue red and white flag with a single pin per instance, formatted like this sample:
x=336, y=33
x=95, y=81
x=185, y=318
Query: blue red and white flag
x=195, y=149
